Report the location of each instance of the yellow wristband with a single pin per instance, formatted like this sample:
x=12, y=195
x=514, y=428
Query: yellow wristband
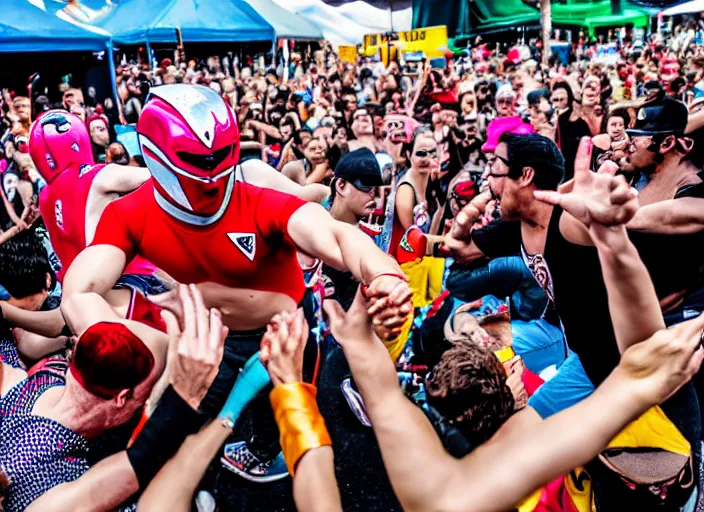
x=505, y=354
x=301, y=425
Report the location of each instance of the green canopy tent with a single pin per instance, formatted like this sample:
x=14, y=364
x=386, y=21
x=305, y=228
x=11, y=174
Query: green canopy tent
x=486, y=16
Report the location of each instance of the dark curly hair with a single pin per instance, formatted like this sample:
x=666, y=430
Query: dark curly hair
x=24, y=265
x=468, y=387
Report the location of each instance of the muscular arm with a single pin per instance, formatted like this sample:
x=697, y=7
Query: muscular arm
x=260, y=174
x=340, y=245
x=34, y=346
x=102, y=487
x=96, y=269
x=682, y=216
x=525, y=459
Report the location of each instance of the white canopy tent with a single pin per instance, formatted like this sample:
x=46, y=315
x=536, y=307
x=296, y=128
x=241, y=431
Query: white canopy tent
x=377, y=19
x=685, y=8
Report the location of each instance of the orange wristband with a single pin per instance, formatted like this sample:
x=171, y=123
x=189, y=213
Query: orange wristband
x=301, y=425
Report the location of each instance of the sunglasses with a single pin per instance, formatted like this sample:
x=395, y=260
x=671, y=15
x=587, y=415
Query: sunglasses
x=422, y=153
x=504, y=102
x=362, y=187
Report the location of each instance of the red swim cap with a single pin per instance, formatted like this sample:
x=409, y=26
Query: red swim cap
x=109, y=358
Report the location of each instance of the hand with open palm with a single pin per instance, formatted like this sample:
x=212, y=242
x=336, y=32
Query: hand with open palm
x=595, y=197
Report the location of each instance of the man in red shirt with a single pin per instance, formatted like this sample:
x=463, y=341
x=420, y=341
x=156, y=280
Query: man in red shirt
x=237, y=242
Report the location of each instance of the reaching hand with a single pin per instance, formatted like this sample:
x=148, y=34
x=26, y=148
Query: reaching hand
x=171, y=302
x=282, y=347
x=196, y=350
x=390, y=303
x=467, y=216
x=600, y=198
x=666, y=361
x=353, y=326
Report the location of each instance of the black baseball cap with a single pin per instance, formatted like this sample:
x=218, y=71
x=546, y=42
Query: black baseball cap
x=359, y=167
x=663, y=117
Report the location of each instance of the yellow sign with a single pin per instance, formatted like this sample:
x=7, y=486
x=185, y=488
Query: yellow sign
x=431, y=40
x=348, y=54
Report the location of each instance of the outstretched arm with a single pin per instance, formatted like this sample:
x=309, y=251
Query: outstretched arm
x=260, y=174
x=683, y=216
x=103, y=487
x=648, y=374
x=44, y=323
x=174, y=486
x=338, y=244
x=305, y=440
x=604, y=203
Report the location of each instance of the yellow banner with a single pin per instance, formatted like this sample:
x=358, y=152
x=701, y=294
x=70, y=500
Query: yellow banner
x=431, y=40
x=348, y=54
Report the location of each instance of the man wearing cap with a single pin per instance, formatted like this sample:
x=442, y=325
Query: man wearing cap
x=668, y=228
x=354, y=189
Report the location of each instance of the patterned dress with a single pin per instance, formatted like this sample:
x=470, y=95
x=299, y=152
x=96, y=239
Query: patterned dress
x=36, y=453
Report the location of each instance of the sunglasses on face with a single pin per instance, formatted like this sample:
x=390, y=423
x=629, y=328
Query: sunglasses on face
x=364, y=188
x=422, y=153
x=504, y=102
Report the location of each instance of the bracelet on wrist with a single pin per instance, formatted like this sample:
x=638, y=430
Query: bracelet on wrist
x=301, y=425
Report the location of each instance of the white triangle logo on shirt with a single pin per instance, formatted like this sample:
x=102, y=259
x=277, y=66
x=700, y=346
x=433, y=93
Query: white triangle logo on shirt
x=245, y=242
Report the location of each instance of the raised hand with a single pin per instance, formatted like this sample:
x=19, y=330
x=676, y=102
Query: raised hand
x=601, y=198
x=663, y=363
x=195, y=351
x=282, y=347
x=353, y=326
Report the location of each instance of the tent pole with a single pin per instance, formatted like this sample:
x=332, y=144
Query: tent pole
x=149, y=54
x=113, y=80
x=273, y=52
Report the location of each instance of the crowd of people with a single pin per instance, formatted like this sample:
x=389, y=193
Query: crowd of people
x=475, y=286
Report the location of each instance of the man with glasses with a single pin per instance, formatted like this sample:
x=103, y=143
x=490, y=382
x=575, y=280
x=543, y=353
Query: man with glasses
x=527, y=168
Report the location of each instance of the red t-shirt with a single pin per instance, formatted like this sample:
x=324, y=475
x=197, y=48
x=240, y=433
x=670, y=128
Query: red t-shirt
x=63, y=208
x=248, y=247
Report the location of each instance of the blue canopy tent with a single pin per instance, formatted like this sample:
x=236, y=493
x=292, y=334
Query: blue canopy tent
x=27, y=28
x=200, y=21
